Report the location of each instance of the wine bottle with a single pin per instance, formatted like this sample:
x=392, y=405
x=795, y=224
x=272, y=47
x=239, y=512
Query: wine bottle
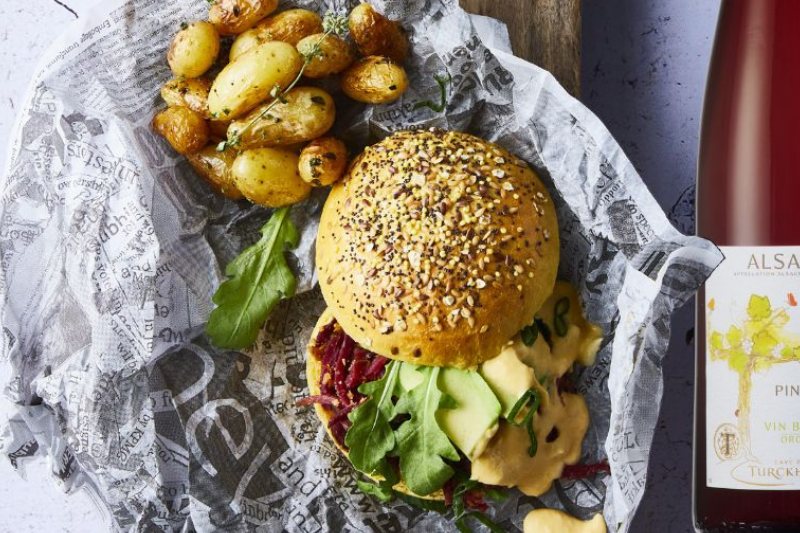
x=747, y=402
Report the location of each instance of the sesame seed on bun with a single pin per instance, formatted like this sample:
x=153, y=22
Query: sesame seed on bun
x=437, y=248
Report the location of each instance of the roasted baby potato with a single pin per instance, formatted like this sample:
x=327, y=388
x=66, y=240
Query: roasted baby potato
x=375, y=80
x=232, y=17
x=269, y=177
x=288, y=26
x=193, y=49
x=245, y=42
x=376, y=35
x=185, y=129
x=334, y=55
x=323, y=161
x=305, y=114
x=219, y=129
x=248, y=81
x=295, y=148
x=215, y=169
x=188, y=92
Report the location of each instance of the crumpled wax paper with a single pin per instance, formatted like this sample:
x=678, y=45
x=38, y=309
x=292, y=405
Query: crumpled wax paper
x=111, y=249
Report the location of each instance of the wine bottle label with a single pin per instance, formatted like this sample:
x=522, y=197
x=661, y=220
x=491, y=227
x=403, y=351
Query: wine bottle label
x=753, y=370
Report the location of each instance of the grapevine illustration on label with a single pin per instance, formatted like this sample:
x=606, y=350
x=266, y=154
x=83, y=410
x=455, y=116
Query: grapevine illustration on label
x=760, y=342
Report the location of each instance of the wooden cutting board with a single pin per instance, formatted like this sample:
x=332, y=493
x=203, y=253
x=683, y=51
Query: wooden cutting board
x=545, y=32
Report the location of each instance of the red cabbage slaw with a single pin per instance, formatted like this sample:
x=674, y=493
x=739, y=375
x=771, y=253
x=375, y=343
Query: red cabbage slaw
x=345, y=367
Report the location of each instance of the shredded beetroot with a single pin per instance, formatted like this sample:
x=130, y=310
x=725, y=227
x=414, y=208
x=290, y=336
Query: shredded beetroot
x=345, y=367
x=342, y=413
x=324, y=334
x=322, y=399
x=584, y=471
x=357, y=367
x=473, y=499
x=375, y=369
x=340, y=370
x=448, y=489
x=330, y=349
x=339, y=432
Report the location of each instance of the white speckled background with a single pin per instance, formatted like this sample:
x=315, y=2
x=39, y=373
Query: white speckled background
x=644, y=68
x=26, y=29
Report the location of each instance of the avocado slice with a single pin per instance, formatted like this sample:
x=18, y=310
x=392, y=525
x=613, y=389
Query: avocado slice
x=409, y=377
x=474, y=419
x=508, y=377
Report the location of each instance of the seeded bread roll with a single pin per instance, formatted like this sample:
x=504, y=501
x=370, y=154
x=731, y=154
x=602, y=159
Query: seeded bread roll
x=437, y=248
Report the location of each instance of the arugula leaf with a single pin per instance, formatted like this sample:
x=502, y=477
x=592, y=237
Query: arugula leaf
x=371, y=437
x=379, y=491
x=436, y=506
x=421, y=444
x=461, y=523
x=383, y=492
x=459, y=492
x=259, y=278
x=460, y=514
x=495, y=494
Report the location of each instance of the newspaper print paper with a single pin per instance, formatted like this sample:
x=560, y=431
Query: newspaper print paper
x=111, y=249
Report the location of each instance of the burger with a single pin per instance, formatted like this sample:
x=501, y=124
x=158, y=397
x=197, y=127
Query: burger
x=441, y=366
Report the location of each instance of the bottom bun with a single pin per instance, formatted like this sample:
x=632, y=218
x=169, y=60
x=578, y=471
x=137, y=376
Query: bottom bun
x=313, y=373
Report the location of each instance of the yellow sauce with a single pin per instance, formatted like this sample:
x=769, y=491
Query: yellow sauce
x=506, y=461
x=485, y=439
x=508, y=377
x=553, y=521
x=583, y=338
x=562, y=420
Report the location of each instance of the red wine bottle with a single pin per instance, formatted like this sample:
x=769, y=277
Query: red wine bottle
x=747, y=403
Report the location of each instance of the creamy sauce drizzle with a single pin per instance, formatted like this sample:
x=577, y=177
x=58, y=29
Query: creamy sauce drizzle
x=562, y=420
x=553, y=521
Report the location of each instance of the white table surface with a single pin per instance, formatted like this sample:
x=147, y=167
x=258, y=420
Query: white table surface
x=643, y=74
x=26, y=29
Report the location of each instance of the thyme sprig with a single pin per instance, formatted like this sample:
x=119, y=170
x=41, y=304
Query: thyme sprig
x=332, y=24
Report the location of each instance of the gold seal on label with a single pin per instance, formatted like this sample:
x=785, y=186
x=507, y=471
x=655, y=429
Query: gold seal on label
x=727, y=442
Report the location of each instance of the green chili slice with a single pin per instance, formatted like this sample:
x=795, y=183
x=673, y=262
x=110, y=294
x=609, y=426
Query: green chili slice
x=532, y=400
x=560, y=323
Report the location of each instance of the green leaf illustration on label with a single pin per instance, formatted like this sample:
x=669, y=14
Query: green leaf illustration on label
x=761, y=341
